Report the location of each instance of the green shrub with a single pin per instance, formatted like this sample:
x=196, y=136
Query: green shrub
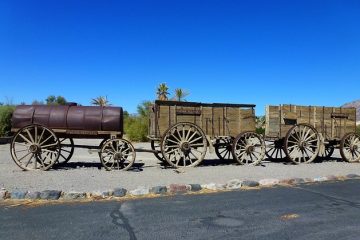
x=5, y=119
x=136, y=127
x=358, y=129
x=260, y=130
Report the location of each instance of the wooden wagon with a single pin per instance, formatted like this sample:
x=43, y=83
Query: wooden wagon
x=302, y=133
x=182, y=132
x=43, y=135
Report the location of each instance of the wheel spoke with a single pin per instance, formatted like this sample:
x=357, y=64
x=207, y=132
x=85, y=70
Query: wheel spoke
x=26, y=140
x=197, y=139
x=46, y=140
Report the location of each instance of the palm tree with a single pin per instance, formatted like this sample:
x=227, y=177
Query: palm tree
x=162, y=92
x=100, y=101
x=180, y=94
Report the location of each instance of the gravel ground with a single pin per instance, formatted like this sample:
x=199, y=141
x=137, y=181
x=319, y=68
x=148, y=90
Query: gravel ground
x=84, y=172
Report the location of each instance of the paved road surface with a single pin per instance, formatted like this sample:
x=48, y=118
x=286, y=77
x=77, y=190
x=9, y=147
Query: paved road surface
x=320, y=211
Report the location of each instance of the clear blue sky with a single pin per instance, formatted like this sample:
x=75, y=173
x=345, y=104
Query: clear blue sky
x=262, y=52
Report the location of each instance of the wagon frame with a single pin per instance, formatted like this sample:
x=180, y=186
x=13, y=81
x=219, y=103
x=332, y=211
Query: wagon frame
x=181, y=132
x=43, y=136
x=303, y=133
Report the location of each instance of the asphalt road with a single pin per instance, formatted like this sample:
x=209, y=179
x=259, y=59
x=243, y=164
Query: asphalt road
x=84, y=172
x=318, y=211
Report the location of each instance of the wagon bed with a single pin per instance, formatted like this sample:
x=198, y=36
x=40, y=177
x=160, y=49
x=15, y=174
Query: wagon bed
x=313, y=130
x=215, y=125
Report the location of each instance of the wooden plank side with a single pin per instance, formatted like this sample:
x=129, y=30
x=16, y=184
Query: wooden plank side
x=273, y=121
x=233, y=121
x=218, y=121
x=206, y=120
x=163, y=118
x=247, y=120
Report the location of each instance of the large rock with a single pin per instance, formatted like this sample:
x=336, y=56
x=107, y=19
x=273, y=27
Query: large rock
x=214, y=186
x=159, y=190
x=3, y=194
x=292, y=181
x=74, y=195
x=18, y=194
x=250, y=184
x=233, y=184
x=352, y=176
x=195, y=187
x=269, y=182
x=50, y=195
x=33, y=195
x=140, y=191
x=178, y=188
x=119, y=192
x=101, y=194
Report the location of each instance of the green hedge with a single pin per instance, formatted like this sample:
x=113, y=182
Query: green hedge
x=136, y=128
x=5, y=119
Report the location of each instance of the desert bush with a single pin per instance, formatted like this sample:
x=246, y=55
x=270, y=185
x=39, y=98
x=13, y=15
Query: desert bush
x=136, y=126
x=5, y=119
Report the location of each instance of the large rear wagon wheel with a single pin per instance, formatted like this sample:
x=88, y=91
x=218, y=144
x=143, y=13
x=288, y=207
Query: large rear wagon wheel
x=302, y=144
x=350, y=147
x=184, y=145
x=35, y=147
x=249, y=148
x=117, y=154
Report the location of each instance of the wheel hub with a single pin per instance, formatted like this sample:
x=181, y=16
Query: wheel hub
x=302, y=145
x=34, y=148
x=249, y=149
x=354, y=148
x=185, y=146
x=118, y=156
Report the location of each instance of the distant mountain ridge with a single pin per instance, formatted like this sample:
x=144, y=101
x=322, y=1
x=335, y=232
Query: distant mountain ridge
x=355, y=104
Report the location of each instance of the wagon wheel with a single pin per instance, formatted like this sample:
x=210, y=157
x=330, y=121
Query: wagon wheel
x=275, y=150
x=67, y=150
x=35, y=147
x=350, y=147
x=329, y=150
x=155, y=146
x=223, y=148
x=184, y=145
x=101, y=145
x=302, y=144
x=249, y=148
x=117, y=154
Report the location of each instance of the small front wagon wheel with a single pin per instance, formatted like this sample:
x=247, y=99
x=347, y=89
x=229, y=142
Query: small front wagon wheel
x=350, y=147
x=223, y=148
x=117, y=154
x=249, y=148
x=35, y=147
x=67, y=150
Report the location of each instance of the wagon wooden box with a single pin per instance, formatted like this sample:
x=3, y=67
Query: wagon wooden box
x=181, y=132
x=301, y=133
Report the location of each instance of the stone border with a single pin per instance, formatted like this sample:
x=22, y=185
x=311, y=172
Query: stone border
x=5, y=140
x=173, y=189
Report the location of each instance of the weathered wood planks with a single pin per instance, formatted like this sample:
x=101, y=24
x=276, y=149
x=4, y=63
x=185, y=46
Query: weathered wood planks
x=332, y=122
x=214, y=119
